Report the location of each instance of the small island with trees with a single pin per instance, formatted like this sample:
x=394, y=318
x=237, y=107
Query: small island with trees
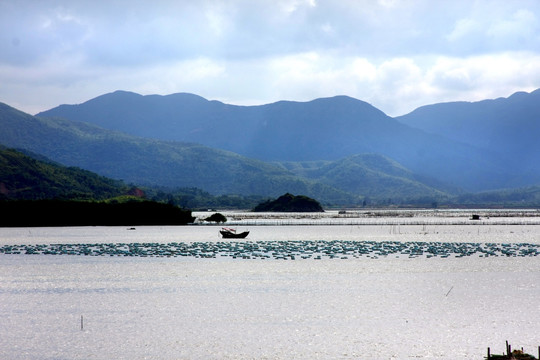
x=290, y=203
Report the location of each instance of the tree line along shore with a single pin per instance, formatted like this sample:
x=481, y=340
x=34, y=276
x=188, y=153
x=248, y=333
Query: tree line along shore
x=90, y=213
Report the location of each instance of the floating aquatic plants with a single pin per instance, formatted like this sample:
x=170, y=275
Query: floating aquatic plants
x=285, y=250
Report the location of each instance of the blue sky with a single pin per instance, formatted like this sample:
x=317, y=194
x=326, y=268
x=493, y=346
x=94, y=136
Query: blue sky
x=395, y=54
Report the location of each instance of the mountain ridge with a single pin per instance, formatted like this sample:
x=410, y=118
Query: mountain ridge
x=335, y=133
x=508, y=126
x=164, y=163
x=374, y=176
x=322, y=129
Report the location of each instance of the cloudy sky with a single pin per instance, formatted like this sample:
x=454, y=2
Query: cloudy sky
x=395, y=54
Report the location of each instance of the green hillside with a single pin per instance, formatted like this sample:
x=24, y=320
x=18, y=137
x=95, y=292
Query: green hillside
x=201, y=176
x=526, y=197
x=149, y=162
x=376, y=177
x=41, y=193
x=23, y=177
x=322, y=129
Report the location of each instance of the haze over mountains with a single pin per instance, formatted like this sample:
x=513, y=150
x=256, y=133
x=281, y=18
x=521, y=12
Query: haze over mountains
x=339, y=150
x=509, y=127
x=332, y=129
x=147, y=161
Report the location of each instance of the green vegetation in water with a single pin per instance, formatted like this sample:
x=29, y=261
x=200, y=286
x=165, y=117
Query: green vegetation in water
x=283, y=250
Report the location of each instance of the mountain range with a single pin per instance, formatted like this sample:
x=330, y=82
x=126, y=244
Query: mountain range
x=152, y=162
x=322, y=129
x=508, y=127
x=337, y=150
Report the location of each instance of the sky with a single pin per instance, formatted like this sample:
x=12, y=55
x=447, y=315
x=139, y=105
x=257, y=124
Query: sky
x=394, y=54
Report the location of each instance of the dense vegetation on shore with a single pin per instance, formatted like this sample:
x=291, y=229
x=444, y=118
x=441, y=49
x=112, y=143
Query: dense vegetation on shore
x=42, y=193
x=84, y=213
x=197, y=199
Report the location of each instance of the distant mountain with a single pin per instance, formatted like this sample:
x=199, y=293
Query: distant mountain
x=23, y=177
x=173, y=164
x=322, y=129
x=152, y=162
x=518, y=198
x=509, y=127
x=375, y=176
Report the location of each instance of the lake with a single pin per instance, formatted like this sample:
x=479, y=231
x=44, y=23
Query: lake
x=398, y=304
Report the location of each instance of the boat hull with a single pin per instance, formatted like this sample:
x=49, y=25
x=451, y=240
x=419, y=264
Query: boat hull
x=231, y=235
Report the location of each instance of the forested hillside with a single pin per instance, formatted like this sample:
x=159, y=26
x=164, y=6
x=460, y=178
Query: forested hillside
x=148, y=162
x=322, y=129
x=377, y=177
x=23, y=177
x=171, y=164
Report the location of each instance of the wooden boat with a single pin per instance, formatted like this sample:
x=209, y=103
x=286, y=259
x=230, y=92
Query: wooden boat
x=228, y=233
x=511, y=354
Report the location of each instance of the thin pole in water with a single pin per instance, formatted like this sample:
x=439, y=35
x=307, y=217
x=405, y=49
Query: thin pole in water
x=449, y=291
x=82, y=323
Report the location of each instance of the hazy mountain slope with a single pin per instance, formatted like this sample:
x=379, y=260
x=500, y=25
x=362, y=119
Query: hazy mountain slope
x=507, y=126
x=322, y=129
x=22, y=177
x=179, y=117
x=519, y=198
x=280, y=131
x=152, y=162
x=373, y=175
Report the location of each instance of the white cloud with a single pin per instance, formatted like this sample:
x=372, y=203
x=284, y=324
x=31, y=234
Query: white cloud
x=498, y=30
x=394, y=54
x=388, y=3
x=363, y=70
x=458, y=74
x=397, y=71
x=291, y=6
x=327, y=28
x=464, y=28
x=218, y=21
x=521, y=25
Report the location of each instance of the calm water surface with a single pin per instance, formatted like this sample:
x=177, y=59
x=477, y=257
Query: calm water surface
x=224, y=308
